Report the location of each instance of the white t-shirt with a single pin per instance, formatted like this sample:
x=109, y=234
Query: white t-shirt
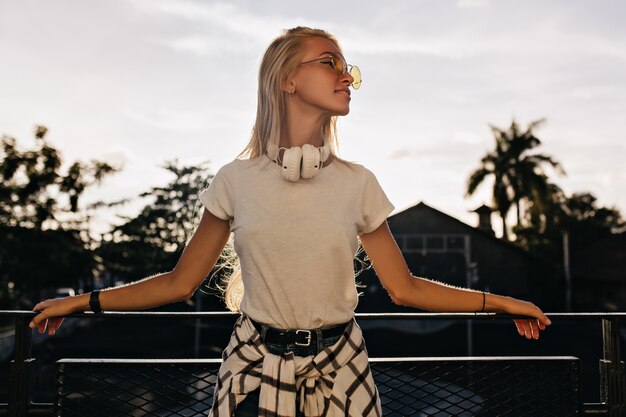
x=296, y=241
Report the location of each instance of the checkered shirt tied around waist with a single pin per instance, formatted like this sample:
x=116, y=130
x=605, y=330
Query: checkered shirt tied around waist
x=335, y=382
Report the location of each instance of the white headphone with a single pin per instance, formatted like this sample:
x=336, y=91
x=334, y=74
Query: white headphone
x=300, y=162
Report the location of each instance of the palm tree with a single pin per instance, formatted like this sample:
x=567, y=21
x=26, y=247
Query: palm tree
x=493, y=164
x=530, y=182
x=518, y=175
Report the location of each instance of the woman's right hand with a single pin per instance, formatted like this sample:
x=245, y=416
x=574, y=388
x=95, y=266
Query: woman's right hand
x=52, y=313
x=526, y=327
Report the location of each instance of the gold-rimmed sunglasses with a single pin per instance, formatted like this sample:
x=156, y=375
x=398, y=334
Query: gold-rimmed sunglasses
x=341, y=66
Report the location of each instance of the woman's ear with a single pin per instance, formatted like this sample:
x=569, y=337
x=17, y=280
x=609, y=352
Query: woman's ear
x=288, y=86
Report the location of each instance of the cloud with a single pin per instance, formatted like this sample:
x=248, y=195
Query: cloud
x=473, y=4
x=471, y=138
x=445, y=155
x=118, y=156
x=602, y=92
x=218, y=19
x=445, y=46
x=195, y=44
x=161, y=117
x=201, y=44
x=545, y=42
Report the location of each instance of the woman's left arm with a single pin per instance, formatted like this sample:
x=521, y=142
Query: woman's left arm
x=408, y=290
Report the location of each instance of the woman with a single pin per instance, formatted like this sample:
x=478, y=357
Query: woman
x=296, y=209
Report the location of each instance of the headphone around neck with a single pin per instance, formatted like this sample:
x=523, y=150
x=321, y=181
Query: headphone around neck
x=300, y=162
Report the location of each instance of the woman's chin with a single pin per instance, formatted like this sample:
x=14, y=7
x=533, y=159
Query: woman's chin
x=342, y=111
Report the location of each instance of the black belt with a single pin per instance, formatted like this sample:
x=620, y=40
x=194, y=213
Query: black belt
x=299, y=337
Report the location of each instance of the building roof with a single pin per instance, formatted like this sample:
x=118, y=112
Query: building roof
x=483, y=209
x=421, y=206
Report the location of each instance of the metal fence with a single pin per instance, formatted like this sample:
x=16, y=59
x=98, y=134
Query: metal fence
x=428, y=386
x=513, y=386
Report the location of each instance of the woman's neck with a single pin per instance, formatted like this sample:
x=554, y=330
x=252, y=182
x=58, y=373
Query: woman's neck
x=299, y=128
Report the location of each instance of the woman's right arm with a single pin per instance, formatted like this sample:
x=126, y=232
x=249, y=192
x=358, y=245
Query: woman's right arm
x=197, y=260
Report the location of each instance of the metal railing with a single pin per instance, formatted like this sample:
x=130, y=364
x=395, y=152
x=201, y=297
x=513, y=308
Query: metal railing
x=513, y=386
x=427, y=386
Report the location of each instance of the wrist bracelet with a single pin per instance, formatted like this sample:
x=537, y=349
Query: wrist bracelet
x=484, y=296
x=94, y=301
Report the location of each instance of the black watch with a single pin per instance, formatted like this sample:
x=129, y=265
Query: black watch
x=94, y=301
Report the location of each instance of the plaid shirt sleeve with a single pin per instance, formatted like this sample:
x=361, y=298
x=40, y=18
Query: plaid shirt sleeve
x=335, y=382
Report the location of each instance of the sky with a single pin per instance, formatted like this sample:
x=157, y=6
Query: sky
x=141, y=82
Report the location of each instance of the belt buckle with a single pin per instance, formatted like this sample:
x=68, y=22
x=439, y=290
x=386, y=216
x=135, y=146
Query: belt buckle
x=308, y=337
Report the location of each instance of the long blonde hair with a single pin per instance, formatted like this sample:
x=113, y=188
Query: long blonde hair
x=280, y=60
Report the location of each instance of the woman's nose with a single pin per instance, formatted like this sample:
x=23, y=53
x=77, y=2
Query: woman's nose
x=347, y=78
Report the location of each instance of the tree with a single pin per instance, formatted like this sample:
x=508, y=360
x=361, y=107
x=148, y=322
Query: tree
x=33, y=185
x=587, y=222
x=529, y=180
x=579, y=215
x=518, y=175
x=153, y=241
x=502, y=200
x=42, y=241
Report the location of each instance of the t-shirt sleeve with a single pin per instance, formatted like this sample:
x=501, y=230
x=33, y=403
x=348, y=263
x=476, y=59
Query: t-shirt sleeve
x=218, y=196
x=375, y=206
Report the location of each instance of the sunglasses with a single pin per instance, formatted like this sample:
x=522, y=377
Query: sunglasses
x=340, y=66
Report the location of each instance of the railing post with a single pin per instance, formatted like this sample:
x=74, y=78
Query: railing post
x=20, y=369
x=612, y=376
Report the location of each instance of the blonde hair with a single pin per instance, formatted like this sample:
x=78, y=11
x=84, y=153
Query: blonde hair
x=280, y=60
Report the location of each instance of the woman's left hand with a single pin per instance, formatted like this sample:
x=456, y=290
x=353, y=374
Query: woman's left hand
x=527, y=327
